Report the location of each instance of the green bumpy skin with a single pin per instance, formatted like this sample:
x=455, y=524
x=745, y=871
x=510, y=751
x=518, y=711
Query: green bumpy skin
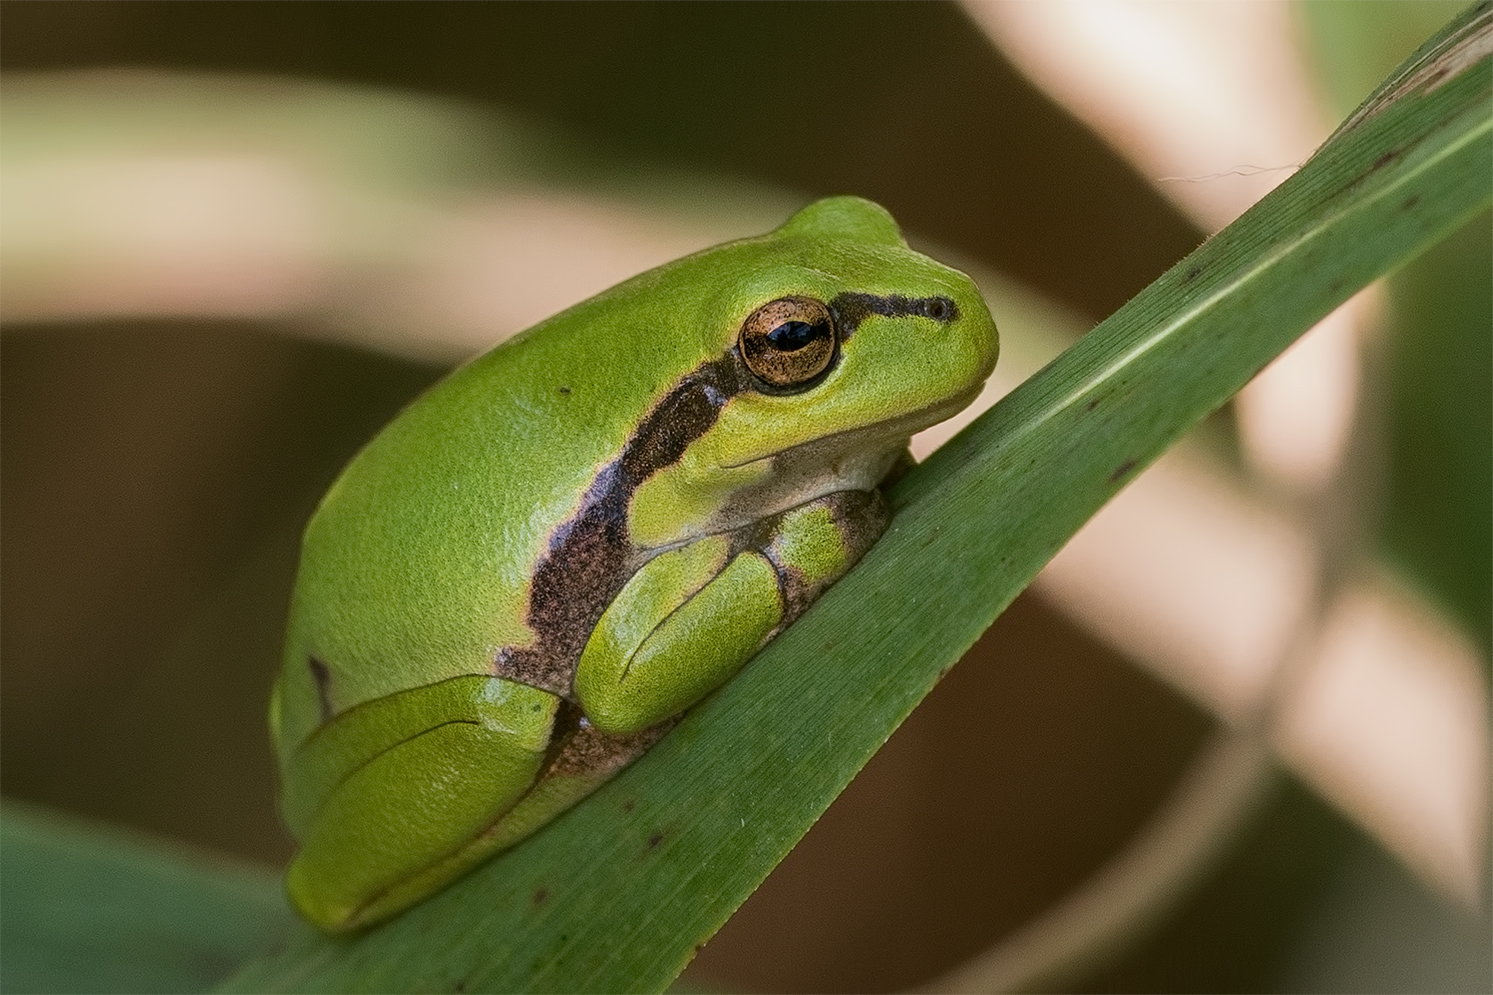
x=519, y=585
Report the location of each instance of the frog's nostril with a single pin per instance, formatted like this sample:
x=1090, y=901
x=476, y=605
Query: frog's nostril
x=939, y=309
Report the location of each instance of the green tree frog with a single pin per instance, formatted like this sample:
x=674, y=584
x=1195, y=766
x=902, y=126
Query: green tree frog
x=521, y=583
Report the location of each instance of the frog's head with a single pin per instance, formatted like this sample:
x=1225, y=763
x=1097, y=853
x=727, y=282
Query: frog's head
x=843, y=342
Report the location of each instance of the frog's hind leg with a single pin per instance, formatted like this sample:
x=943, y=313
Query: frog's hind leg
x=392, y=798
x=587, y=758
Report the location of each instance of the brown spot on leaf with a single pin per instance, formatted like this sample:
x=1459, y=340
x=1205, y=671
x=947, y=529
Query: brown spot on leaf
x=1468, y=44
x=655, y=839
x=541, y=896
x=1121, y=470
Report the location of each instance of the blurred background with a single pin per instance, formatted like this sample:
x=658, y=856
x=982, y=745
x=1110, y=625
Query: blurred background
x=238, y=237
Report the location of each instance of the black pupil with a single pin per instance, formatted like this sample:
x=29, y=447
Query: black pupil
x=791, y=336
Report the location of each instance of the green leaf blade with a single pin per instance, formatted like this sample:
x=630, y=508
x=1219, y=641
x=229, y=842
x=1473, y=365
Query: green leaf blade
x=95, y=910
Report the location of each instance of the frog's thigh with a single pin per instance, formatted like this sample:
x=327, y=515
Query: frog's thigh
x=680, y=627
x=420, y=775
x=586, y=760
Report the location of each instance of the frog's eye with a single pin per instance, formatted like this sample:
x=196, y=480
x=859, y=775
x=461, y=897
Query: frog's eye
x=789, y=343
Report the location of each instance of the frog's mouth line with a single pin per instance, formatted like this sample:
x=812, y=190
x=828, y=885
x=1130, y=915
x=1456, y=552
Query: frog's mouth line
x=908, y=424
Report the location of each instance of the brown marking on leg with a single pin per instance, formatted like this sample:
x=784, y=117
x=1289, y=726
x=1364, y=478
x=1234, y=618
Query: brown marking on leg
x=322, y=676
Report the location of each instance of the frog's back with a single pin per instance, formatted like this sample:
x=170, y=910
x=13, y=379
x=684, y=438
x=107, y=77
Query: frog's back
x=416, y=565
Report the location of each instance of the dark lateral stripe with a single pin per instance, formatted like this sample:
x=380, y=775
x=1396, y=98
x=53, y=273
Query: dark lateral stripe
x=590, y=556
x=851, y=309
